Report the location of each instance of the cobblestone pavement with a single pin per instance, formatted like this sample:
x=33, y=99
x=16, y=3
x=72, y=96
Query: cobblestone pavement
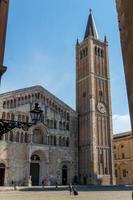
x=64, y=195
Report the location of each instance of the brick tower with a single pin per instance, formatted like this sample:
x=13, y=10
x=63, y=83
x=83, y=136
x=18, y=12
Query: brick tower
x=93, y=103
x=3, y=24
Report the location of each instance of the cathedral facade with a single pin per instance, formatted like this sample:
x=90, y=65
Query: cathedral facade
x=47, y=152
x=68, y=145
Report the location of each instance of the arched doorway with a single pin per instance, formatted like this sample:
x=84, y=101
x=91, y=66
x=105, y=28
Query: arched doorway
x=2, y=174
x=64, y=175
x=35, y=169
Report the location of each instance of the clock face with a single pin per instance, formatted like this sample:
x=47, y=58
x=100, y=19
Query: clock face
x=101, y=108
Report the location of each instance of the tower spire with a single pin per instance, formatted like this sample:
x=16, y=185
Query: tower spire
x=91, y=29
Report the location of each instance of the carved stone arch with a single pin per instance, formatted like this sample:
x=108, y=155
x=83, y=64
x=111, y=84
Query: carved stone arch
x=39, y=132
x=40, y=154
x=3, y=115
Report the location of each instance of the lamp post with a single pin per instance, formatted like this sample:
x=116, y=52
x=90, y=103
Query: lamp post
x=8, y=125
x=36, y=114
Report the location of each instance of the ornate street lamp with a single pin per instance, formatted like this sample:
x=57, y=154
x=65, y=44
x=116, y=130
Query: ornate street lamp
x=36, y=114
x=8, y=125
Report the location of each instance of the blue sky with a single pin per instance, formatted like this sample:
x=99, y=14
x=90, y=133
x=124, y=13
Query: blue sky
x=40, y=48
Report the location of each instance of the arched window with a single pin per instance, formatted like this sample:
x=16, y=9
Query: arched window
x=11, y=103
x=81, y=55
x=48, y=142
x=37, y=136
x=116, y=173
x=51, y=140
x=26, y=99
x=65, y=114
x=6, y=136
x=8, y=116
x=18, y=101
x=100, y=93
x=27, y=119
x=22, y=100
x=64, y=125
x=23, y=118
x=96, y=51
x=124, y=173
x=51, y=124
x=22, y=137
x=48, y=123
x=4, y=104
x=12, y=117
x=1, y=137
x=55, y=124
x=17, y=136
x=68, y=117
x=3, y=115
x=26, y=138
x=86, y=51
x=32, y=97
x=11, y=136
x=102, y=53
x=7, y=104
x=19, y=118
x=38, y=95
x=67, y=142
x=55, y=140
x=60, y=144
x=64, y=141
x=67, y=127
x=14, y=102
x=29, y=97
x=83, y=52
x=60, y=125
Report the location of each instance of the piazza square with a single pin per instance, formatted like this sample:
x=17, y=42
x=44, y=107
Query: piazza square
x=64, y=195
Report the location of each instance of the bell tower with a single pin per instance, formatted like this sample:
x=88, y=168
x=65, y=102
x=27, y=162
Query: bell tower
x=93, y=102
x=4, y=4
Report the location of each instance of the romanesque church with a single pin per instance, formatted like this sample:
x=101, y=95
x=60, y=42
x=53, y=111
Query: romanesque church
x=68, y=146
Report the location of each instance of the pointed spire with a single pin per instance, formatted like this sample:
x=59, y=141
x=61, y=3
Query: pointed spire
x=91, y=27
x=105, y=39
x=77, y=42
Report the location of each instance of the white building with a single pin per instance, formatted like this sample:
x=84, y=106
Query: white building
x=47, y=152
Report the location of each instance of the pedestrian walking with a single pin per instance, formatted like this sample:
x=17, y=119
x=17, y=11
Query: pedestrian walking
x=56, y=185
x=70, y=189
x=75, y=192
x=42, y=183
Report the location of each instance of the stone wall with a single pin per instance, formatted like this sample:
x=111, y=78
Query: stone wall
x=125, y=19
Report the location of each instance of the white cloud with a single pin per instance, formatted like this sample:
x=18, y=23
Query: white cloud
x=121, y=123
